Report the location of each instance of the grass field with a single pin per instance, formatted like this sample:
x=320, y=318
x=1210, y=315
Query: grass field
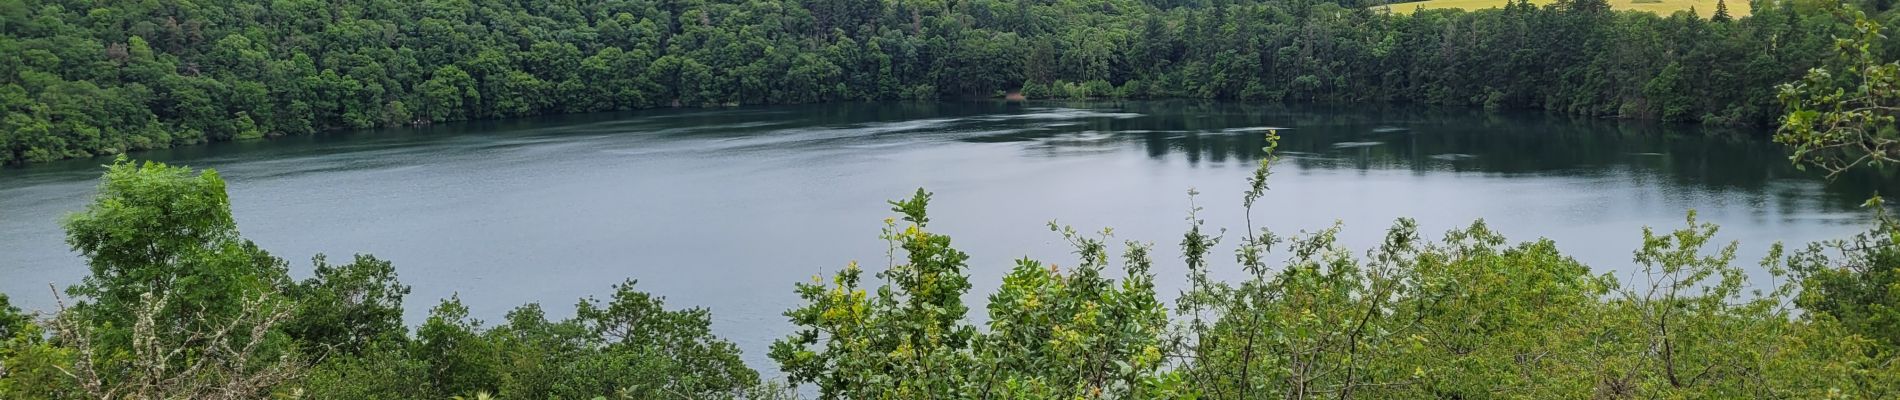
x=1736, y=8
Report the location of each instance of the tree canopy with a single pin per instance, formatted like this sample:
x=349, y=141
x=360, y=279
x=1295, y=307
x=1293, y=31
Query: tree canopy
x=80, y=79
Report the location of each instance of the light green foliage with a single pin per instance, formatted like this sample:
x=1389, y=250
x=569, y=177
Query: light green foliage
x=1855, y=280
x=1842, y=118
x=153, y=227
x=1471, y=318
x=1076, y=334
x=908, y=340
x=1051, y=334
x=1467, y=316
x=167, y=266
x=1839, y=121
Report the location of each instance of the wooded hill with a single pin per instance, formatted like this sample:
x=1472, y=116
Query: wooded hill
x=83, y=78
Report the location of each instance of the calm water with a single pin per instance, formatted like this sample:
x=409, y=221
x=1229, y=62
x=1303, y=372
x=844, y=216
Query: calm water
x=727, y=208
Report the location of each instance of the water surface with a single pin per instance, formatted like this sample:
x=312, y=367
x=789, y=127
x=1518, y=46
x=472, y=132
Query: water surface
x=727, y=208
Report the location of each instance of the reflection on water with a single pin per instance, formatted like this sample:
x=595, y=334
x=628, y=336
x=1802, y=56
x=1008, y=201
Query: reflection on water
x=1383, y=138
x=726, y=208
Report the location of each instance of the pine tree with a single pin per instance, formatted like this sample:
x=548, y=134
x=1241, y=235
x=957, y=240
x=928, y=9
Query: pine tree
x=1721, y=12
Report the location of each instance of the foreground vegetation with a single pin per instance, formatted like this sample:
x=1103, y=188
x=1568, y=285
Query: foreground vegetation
x=83, y=78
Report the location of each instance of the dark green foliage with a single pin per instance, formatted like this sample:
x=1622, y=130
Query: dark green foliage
x=1859, y=284
x=83, y=79
x=381, y=372
x=670, y=352
x=348, y=308
x=457, y=359
x=629, y=345
x=12, y=321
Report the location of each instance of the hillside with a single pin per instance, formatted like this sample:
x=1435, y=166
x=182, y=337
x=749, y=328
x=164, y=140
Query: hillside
x=78, y=79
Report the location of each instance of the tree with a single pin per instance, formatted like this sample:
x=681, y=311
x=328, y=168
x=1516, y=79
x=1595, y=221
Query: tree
x=88, y=81
x=11, y=320
x=1840, y=122
x=448, y=95
x=177, y=305
x=159, y=229
x=912, y=331
x=1859, y=284
x=228, y=357
x=348, y=308
x=1052, y=334
x=1668, y=94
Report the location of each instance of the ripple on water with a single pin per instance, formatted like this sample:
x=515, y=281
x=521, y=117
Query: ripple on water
x=1253, y=129
x=1057, y=114
x=1355, y=145
x=1078, y=138
x=1452, y=157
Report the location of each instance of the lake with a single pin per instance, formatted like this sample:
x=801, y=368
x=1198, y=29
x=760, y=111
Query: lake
x=728, y=208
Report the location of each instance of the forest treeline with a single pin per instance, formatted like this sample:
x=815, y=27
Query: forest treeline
x=83, y=78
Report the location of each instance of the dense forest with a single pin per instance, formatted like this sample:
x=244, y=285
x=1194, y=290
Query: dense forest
x=84, y=78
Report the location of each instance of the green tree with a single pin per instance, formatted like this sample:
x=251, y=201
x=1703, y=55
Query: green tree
x=349, y=308
x=448, y=95
x=12, y=322
x=159, y=229
x=1842, y=122
x=1844, y=119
